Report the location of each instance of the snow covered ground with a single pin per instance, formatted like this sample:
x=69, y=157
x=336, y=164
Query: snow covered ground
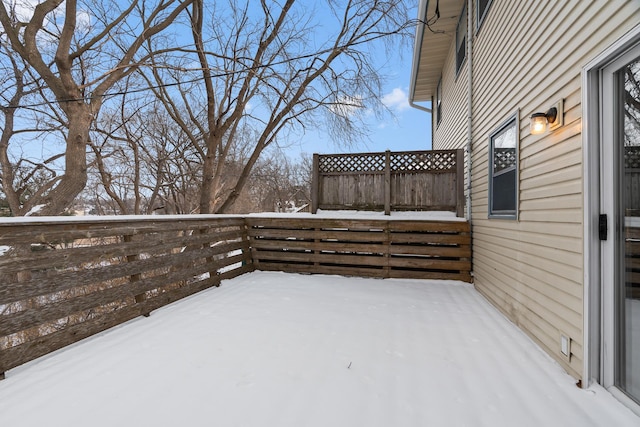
x=276, y=349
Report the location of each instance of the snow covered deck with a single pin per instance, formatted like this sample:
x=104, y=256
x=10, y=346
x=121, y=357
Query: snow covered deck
x=276, y=349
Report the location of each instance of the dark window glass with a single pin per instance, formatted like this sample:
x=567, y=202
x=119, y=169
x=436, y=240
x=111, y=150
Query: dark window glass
x=461, y=39
x=503, y=174
x=439, y=101
x=482, y=7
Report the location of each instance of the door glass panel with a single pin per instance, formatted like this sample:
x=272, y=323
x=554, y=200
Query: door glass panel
x=629, y=237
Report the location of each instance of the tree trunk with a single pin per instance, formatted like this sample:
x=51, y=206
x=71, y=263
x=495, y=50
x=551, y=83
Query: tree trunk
x=74, y=179
x=208, y=190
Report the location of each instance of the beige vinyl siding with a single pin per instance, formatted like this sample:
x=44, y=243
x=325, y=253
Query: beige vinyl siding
x=527, y=55
x=451, y=133
x=533, y=268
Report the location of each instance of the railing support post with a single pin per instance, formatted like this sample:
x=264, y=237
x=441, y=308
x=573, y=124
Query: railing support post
x=387, y=250
x=315, y=184
x=139, y=298
x=387, y=182
x=460, y=183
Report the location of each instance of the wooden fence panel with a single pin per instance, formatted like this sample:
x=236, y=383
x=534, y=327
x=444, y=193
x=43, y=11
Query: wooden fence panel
x=417, y=180
x=365, y=191
x=65, y=280
x=631, y=190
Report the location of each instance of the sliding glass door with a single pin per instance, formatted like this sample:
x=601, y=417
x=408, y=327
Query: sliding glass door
x=620, y=189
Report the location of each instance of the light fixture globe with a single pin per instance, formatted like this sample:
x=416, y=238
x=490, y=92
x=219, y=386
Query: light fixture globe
x=538, y=123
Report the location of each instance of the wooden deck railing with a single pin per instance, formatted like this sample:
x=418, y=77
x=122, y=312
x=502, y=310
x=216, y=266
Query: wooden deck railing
x=378, y=248
x=65, y=279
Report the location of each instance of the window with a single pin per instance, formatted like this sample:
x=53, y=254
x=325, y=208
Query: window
x=461, y=39
x=482, y=7
x=439, y=101
x=503, y=173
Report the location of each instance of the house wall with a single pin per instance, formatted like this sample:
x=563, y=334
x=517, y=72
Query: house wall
x=527, y=56
x=451, y=133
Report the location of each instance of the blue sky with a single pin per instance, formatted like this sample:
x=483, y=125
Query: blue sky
x=409, y=129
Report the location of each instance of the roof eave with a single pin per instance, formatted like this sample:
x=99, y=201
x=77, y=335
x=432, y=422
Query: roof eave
x=432, y=45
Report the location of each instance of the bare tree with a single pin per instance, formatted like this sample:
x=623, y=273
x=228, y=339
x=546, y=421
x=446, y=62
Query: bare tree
x=21, y=176
x=142, y=162
x=280, y=183
x=13, y=76
x=632, y=104
x=80, y=51
x=118, y=141
x=263, y=67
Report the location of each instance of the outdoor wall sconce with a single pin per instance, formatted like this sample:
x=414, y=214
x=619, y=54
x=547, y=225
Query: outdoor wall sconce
x=553, y=118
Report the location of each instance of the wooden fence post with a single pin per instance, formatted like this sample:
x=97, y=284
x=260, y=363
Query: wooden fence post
x=139, y=298
x=387, y=250
x=387, y=182
x=460, y=183
x=315, y=184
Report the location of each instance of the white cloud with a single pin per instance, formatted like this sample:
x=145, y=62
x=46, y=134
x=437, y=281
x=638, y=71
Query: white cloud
x=24, y=11
x=396, y=100
x=347, y=106
x=83, y=20
x=24, y=8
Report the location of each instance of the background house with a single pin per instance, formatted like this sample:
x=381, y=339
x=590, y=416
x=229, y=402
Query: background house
x=538, y=203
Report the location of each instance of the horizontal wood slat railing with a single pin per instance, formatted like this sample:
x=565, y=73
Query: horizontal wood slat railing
x=372, y=248
x=62, y=280
x=65, y=280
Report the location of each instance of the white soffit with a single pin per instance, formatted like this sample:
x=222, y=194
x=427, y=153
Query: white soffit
x=432, y=45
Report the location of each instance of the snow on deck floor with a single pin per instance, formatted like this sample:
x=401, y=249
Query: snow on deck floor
x=275, y=349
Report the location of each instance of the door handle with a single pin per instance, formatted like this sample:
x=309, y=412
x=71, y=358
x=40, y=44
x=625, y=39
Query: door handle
x=602, y=226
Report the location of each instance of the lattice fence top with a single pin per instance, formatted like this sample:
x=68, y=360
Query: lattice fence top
x=418, y=161
x=632, y=157
x=434, y=161
x=372, y=162
x=503, y=158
